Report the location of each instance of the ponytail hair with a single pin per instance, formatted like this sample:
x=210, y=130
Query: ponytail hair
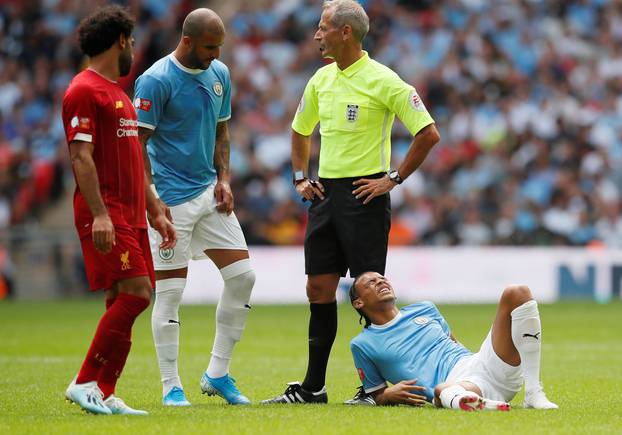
x=354, y=295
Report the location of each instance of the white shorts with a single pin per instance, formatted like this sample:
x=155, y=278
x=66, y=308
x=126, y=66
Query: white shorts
x=199, y=227
x=497, y=379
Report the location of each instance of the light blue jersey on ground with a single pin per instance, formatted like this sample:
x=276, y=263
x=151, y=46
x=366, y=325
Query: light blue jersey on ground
x=414, y=345
x=182, y=106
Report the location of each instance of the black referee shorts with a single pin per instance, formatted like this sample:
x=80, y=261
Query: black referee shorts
x=345, y=234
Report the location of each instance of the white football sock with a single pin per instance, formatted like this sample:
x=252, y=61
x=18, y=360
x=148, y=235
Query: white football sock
x=231, y=314
x=526, y=335
x=450, y=396
x=165, y=327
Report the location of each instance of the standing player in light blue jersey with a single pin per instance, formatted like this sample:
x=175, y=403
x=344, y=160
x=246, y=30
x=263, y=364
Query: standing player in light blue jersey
x=413, y=349
x=184, y=103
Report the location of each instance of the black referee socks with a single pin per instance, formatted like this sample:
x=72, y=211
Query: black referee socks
x=322, y=332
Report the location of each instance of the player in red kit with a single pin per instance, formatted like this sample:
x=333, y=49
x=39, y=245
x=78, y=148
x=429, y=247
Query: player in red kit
x=110, y=202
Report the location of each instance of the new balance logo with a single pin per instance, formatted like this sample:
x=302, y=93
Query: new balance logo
x=536, y=335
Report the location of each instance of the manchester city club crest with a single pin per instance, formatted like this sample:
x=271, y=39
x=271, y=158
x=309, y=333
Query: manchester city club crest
x=352, y=112
x=217, y=88
x=166, y=254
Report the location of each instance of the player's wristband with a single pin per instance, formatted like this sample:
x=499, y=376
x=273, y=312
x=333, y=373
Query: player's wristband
x=155, y=192
x=298, y=177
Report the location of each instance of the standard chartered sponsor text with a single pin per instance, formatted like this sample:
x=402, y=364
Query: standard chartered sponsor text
x=128, y=122
x=123, y=122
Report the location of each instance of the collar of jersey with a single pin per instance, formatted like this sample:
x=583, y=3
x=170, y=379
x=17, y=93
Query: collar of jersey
x=355, y=67
x=389, y=323
x=183, y=68
x=101, y=75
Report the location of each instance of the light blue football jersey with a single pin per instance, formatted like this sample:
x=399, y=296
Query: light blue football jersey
x=182, y=106
x=414, y=345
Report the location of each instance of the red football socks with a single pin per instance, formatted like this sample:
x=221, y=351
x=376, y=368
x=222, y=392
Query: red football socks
x=106, y=357
x=109, y=373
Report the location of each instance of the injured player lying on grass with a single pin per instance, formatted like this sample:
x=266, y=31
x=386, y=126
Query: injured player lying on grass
x=413, y=349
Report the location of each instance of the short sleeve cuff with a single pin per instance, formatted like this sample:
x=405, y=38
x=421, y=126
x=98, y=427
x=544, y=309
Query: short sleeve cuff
x=420, y=127
x=84, y=137
x=145, y=125
x=226, y=118
x=297, y=128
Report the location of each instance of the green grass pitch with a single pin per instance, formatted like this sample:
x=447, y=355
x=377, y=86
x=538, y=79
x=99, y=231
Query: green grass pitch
x=42, y=345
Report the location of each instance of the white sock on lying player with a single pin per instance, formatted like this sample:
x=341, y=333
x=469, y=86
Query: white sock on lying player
x=457, y=397
x=527, y=337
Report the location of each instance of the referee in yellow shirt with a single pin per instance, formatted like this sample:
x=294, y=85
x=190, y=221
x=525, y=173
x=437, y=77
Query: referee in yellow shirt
x=355, y=100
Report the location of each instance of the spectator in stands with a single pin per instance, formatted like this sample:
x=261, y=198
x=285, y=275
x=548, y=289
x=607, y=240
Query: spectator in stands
x=523, y=93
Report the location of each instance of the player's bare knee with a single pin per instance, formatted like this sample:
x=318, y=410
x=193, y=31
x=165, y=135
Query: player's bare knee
x=313, y=293
x=516, y=295
x=144, y=292
x=140, y=288
x=318, y=294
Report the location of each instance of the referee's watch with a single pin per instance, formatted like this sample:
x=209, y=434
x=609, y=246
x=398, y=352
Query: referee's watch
x=298, y=177
x=395, y=176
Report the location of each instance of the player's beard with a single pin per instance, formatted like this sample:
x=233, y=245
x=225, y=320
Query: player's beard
x=195, y=62
x=125, y=62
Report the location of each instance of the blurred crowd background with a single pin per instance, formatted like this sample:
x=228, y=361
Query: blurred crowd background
x=526, y=95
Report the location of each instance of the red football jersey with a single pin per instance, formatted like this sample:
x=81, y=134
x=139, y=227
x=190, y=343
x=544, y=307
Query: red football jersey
x=98, y=111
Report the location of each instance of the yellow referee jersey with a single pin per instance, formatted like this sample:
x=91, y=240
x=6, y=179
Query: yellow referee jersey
x=356, y=108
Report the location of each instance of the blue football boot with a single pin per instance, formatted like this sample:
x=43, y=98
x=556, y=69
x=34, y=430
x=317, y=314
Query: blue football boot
x=175, y=397
x=225, y=388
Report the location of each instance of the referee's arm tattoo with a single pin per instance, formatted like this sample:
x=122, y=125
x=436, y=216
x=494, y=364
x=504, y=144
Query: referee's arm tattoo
x=222, y=151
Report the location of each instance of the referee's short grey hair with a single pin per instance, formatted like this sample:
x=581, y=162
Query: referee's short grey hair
x=349, y=12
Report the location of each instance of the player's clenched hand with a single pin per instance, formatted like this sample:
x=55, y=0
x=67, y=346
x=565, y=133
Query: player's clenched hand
x=224, y=197
x=309, y=189
x=103, y=233
x=165, y=228
x=371, y=188
x=404, y=392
